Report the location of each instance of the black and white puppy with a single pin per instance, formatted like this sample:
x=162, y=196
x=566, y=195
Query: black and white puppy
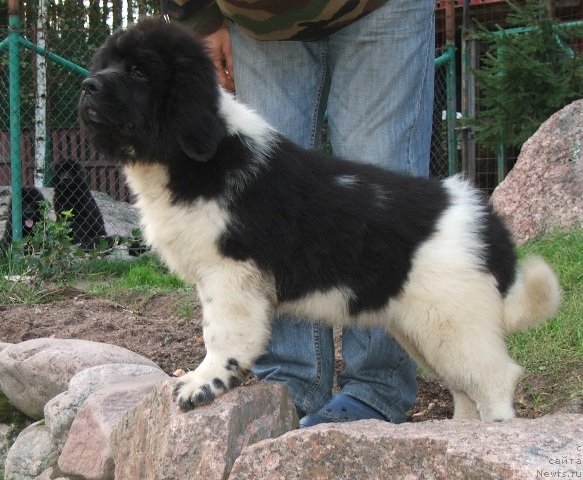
x=262, y=226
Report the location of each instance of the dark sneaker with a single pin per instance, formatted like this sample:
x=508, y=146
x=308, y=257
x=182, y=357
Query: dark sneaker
x=342, y=408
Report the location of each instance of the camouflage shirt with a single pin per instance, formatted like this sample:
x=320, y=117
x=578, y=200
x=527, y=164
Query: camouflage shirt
x=272, y=19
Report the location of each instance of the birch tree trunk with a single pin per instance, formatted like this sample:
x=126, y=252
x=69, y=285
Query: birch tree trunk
x=40, y=113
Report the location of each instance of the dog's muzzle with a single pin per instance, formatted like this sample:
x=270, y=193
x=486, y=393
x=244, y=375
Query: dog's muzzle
x=91, y=85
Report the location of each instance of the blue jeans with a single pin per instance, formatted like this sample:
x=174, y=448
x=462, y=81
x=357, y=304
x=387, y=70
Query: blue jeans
x=375, y=80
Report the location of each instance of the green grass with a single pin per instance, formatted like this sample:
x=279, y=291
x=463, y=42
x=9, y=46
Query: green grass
x=10, y=415
x=146, y=274
x=136, y=282
x=554, y=351
x=102, y=276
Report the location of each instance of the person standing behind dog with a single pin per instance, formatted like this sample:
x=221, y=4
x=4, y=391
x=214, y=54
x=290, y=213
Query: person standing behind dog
x=370, y=65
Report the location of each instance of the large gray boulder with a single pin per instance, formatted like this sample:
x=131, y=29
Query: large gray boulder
x=87, y=453
x=7, y=434
x=156, y=441
x=32, y=452
x=61, y=410
x=544, y=190
x=547, y=447
x=35, y=371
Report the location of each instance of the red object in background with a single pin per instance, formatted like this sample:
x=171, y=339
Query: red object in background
x=440, y=4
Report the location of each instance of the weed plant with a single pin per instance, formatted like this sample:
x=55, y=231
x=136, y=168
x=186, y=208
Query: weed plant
x=48, y=257
x=46, y=254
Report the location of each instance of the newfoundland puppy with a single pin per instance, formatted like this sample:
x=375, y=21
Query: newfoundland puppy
x=262, y=226
x=72, y=193
x=32, y=214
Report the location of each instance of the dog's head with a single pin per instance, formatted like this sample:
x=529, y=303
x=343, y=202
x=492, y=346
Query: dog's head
x=68, y=175
x=31, y=209
x=152, y=94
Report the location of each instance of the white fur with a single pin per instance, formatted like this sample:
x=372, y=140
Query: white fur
x=534, y=297
x=236, y=297
x=243, y=121
x=346, y=180
x=328, y=307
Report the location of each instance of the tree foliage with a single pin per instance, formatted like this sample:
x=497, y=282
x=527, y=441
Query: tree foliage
x=73, y=30
x=526, y=76
x=89, y=14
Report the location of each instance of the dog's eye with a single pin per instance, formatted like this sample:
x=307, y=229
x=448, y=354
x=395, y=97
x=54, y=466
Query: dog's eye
x=135, y=72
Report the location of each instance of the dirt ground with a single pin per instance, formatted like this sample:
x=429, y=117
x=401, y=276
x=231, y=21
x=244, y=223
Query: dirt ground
x=167, y=329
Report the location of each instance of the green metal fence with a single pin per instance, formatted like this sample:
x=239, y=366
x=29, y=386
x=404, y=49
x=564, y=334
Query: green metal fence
x=64, y=140
x=21, y=53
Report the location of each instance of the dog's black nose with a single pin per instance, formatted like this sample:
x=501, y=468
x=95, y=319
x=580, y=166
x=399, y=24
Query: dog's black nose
x=91, y=85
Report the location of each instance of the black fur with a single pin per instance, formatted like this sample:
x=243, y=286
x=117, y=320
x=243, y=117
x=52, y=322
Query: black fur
x=31, y=209
x=31, y=214
x=321, y=222
x=72, y=193
x=158, y=52
x=500, y=255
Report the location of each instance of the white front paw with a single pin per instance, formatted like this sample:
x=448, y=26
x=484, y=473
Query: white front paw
x=208, y=381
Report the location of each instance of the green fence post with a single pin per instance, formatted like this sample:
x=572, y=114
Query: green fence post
x=15, y=161
x=500, y=163
x=450, y=85
x=54, y=57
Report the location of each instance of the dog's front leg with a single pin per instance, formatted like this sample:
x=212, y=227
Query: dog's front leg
x=237, y=309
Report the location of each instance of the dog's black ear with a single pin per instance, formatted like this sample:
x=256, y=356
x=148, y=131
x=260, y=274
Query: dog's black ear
x=200, y=133
x=194, y=102
x=193, y=105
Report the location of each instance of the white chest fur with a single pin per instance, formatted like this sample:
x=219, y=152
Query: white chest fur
x=185, y=234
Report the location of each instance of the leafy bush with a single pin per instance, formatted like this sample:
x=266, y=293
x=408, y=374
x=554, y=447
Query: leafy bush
x=47, y=253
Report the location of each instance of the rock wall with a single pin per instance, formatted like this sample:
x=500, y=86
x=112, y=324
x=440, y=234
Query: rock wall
x=119, y=421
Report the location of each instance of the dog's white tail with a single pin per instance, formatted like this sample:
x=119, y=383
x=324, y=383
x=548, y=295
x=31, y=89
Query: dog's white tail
x=533, y=298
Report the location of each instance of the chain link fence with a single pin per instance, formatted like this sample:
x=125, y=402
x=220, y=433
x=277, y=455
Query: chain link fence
x=65, y=141
x=491, y=164
x=439, y=159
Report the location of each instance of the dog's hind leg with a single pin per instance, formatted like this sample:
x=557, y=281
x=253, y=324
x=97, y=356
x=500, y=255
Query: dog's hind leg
x=478, y=366
x=466, y=350
x=492, y=383
x=237, y=310
x=464, y=406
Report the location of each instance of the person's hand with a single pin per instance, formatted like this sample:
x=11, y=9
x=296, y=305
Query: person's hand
x=219, y=44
